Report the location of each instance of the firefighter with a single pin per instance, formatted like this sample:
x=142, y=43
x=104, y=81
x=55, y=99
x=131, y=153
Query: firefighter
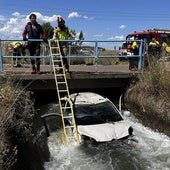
x=62, y=33
x=133, y=61
x=154, y=49
x=153, y=42
x=16, y=48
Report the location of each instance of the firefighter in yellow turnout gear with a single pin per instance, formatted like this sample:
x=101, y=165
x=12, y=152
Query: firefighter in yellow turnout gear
x=154, y=49
x=62, y=33
x=16, y=48
x=133, y=61
x=166, y=47
x=154, y=42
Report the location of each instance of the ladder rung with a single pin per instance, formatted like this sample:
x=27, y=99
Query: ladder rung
x=59, y=75
x=55, y=54
x=59, y=67
x=61, y=99
x=56, y=61
x=68, y=114
x=54, y=47
x=62, y=90
x=69, y=127
x=71, y=137
x=66, y=108
x=63, y=82
x=65, y=117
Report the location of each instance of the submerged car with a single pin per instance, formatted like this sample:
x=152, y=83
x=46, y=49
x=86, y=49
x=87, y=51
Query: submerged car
x=97, y=118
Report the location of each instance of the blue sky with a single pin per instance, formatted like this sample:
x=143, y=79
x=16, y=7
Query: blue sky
x=99, y=20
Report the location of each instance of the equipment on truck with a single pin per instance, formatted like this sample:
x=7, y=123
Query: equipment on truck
x=160, y=35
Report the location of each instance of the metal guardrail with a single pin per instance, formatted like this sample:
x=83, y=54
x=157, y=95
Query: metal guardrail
x=96, y=52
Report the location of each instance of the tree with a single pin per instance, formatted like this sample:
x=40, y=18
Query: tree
x=80, y=39
x=48, y=29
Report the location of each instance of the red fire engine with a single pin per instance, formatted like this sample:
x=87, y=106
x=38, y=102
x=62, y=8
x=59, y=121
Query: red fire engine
x=161, y=35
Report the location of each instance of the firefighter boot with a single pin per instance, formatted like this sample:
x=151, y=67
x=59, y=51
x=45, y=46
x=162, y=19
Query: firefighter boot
x=33, y=66
x=33, y=70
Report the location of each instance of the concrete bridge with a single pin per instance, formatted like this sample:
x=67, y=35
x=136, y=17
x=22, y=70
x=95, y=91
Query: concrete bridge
x=79, y=76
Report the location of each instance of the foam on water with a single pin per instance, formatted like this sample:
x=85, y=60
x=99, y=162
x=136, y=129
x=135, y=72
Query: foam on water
x=150, y=152
x=154, y=146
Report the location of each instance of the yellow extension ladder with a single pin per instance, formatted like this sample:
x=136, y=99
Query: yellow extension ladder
x=70, y=133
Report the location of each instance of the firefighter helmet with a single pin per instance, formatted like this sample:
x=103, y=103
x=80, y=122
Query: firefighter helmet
x=60, y=20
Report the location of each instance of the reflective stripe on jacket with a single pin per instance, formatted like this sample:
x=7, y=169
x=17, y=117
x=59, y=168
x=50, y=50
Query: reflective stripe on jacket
x=17, y=44
x=154, y=43
x=135, y=45
x=61, y=34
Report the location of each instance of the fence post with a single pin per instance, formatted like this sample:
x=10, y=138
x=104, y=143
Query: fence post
x=69, y=52
x=1, y=64
x=140, y=55
x=96, y=56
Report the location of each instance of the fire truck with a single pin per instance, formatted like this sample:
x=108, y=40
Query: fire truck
x=161, y=35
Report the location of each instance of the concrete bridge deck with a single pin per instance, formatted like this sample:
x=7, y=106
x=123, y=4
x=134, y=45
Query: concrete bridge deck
x=79, y=76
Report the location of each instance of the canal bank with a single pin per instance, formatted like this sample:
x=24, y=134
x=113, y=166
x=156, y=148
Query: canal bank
x=21, y=145
x=151, y=112
x=149, y=98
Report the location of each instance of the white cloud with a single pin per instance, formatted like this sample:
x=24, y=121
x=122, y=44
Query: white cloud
x=74, y=15
x=2, y=18
x=43, y=18
x=12, y=28
x=117, y=37
x=98, y=35
x=16, y=14
x=85, y=17
x=122, y=27
x=88, y=18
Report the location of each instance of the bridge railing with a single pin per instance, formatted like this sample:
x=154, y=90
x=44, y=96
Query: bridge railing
x=77, y=50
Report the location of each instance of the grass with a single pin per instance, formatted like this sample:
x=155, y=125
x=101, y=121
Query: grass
x=149, y=97
x=16, y=111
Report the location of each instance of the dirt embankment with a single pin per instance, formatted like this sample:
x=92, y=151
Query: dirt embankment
x=151, y=108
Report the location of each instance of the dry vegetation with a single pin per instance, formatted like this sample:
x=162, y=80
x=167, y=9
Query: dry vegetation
x=149, y=98
x=16, y=111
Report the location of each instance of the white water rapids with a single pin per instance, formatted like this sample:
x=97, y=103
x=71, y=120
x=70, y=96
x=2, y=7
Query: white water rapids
x=151, y=152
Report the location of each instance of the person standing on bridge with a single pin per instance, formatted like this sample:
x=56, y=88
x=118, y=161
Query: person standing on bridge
x=34, y=31
x=133, y=61
x=62, y=33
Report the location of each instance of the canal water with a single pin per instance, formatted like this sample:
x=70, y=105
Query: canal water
x=147, y=150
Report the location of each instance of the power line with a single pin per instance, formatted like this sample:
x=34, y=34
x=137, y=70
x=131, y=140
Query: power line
x=97, y=15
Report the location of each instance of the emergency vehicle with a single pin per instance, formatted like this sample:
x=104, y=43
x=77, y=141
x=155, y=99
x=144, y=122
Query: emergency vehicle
x=161, y=35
